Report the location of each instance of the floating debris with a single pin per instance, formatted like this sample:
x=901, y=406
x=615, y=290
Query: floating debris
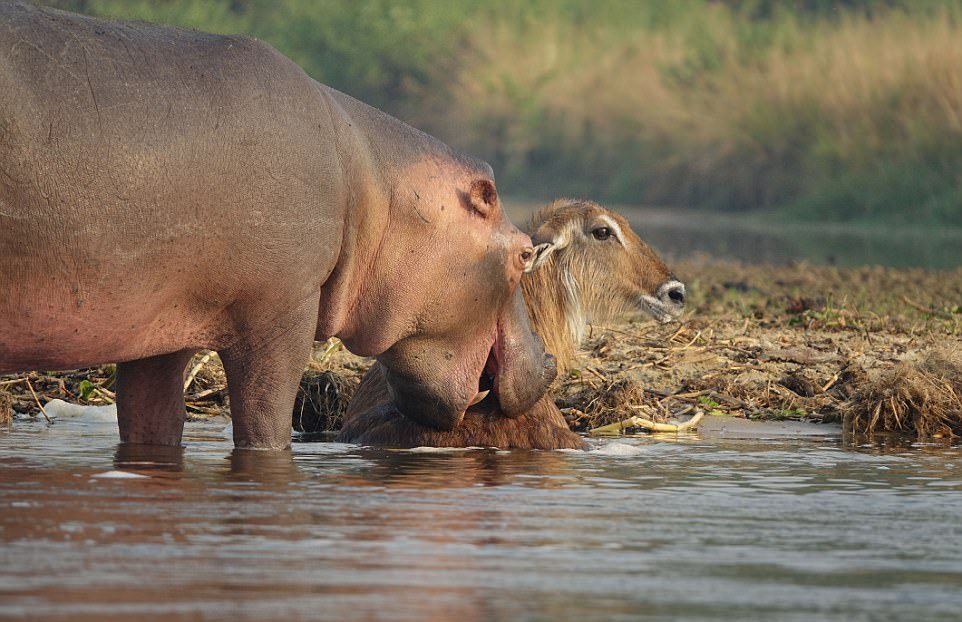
x=647, y=425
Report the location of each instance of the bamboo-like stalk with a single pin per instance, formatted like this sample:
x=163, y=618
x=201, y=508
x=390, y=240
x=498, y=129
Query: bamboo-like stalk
x=619, y=427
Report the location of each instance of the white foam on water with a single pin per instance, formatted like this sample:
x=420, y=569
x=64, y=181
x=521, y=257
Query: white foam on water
x=118, y=475
x=617, y=449
x=59, y=409
x=307, y=450
x=440, y=450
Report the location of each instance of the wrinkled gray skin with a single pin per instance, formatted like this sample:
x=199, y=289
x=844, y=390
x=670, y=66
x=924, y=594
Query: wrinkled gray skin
x=164, y=191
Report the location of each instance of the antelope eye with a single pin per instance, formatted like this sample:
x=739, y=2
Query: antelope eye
x=601, y=233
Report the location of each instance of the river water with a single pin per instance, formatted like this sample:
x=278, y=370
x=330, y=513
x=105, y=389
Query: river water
x=763, y=524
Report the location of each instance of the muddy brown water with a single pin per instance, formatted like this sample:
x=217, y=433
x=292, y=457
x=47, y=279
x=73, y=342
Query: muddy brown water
x=738, y=523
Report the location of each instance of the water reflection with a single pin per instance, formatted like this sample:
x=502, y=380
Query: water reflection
x=148, y=458
x=704, y=528
x=738, y=238
x=273, y=469
x=457, y=469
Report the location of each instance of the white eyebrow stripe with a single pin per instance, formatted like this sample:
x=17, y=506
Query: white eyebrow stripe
x=614, y=227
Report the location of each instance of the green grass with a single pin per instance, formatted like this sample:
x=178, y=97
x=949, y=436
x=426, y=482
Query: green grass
x=847, y=110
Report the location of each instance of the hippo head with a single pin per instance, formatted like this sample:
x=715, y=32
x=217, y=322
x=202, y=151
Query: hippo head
x=449, y=267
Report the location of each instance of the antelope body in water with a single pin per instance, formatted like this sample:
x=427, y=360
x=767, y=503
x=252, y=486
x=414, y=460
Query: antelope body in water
x=589, y=266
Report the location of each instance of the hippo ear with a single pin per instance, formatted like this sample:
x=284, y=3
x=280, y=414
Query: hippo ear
x=483, y=197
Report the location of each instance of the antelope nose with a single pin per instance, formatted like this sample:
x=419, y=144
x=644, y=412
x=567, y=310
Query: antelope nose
x=673, y=292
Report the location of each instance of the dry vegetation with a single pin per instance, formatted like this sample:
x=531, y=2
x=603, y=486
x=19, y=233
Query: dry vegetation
x=839, y=119
x=876, y=348
x=798, y=342
x=921, y=396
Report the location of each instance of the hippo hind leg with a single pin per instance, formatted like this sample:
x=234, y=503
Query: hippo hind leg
x=264, y=369
x=150, y=399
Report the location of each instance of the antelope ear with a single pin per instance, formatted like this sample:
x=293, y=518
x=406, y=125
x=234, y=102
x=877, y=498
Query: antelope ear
x=541, y=253
x=547, y=240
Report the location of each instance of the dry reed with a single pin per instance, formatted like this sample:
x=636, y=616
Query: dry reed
x=922, y=396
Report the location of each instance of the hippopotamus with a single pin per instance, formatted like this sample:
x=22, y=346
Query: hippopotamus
x=164, y=191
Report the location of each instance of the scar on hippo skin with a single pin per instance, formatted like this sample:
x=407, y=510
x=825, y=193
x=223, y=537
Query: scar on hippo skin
x=305, y=215
x=587, y=266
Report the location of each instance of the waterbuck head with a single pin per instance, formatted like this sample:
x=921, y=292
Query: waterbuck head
x=590, y=267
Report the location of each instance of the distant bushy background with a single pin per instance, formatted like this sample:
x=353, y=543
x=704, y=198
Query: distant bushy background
x=811, y=109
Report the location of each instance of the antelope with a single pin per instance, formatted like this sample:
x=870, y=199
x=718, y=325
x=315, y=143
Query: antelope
x=587, y=267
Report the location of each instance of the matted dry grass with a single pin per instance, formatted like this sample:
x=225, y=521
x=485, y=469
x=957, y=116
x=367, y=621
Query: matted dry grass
x=6, y=407
x=922, y=396
x=322, y=400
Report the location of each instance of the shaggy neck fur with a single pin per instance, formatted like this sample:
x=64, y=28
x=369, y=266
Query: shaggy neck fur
x=556, y=312
x=564, y=295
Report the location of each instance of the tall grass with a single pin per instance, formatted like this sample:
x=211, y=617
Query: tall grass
x=857, y=118
x=846, y=109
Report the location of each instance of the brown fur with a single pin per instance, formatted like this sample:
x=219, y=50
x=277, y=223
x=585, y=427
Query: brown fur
x=605, y=281
x=579, y=280
x=541, y=427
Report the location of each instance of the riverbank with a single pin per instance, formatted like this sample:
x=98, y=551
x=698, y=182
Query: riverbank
x=798, y=342
x=871, y=347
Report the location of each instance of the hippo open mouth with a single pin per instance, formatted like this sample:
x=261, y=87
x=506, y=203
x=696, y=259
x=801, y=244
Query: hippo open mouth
x=499, y=391
x=488, y=382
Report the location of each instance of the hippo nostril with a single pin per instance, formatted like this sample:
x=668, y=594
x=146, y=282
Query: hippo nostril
x=527, y=257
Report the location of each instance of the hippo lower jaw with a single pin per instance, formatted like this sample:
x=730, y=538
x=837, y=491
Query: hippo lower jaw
x=512, y=380
x=428, y=386
x=487, y=397
x=517, y=372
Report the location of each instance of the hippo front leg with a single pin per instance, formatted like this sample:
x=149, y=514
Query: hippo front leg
x=264, y=369
x=150, y=399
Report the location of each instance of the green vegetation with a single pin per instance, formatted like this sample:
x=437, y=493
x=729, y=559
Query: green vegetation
x=815, y=109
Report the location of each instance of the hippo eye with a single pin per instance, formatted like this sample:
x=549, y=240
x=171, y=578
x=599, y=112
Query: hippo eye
x=601, y=233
